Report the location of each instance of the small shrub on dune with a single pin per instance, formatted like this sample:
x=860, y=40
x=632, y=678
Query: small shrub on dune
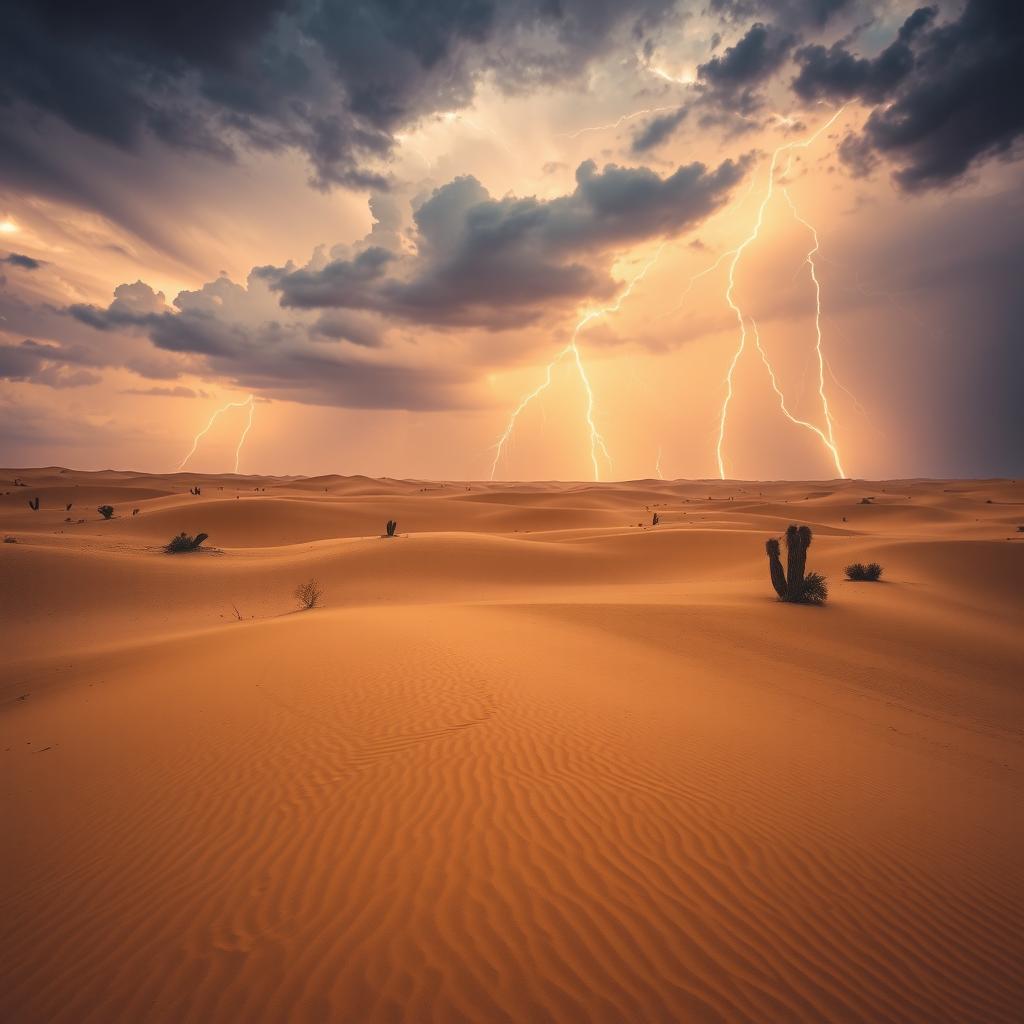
x=183, y=543
x=815, y=589
x=860, y=573
x=308, y=594
x=107, y=511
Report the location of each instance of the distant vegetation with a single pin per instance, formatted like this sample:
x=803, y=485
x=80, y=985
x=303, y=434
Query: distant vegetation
x=33, y=503
x=859, y=572
x=308, y=594
x=791, y=583
x=107, y=511
x=391, y=527
x=183, y=542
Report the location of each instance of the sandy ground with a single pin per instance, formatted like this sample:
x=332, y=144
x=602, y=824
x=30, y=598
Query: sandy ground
x=531, y=761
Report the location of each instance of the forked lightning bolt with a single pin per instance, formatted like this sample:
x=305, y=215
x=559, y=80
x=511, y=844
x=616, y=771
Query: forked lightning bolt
x=251, y=403
x=597, y=442
x=737, y=255
x=615, y=124
x=809, y=260
x=782, y=399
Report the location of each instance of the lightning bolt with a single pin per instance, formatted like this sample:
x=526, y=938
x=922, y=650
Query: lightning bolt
x=737, y=255
x=828, y=442
x=615, y=124
x=597, y=442
x=250, y=402
x=657, y=466
x=809, y=260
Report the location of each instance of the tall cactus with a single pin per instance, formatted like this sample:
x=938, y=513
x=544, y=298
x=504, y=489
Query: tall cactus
x=775, y=566
x=790, y=583
x=798, y=540
x=391, y=527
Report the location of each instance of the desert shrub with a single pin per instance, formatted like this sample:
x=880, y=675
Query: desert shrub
x=183, y=542
x=858, y=572
x=392, y=525
x=815, y=589
x=107, y=511
x=10, y=540
x=308, y=594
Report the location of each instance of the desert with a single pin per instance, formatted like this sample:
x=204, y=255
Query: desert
x=533, y=758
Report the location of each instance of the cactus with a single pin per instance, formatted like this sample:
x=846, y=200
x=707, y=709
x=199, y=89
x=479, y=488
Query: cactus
x=33, y=503
x=391, y=527
x=798, y=540
x=790, y=583
x=778, y=574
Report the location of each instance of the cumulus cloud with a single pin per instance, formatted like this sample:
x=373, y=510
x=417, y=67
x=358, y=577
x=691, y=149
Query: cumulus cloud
x=734, y=76
x=336, y=331
x=498, y=263
x=946, y=96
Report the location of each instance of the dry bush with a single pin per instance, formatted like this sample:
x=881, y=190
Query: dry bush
x=308, y=594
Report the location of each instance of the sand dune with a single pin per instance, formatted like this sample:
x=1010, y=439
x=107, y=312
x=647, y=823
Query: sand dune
x=531, y=761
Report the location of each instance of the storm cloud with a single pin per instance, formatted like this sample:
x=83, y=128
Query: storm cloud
x=499, y=262
x=947, y=96
x=329, y=78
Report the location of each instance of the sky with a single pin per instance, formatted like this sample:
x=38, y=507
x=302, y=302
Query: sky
x=548, y=239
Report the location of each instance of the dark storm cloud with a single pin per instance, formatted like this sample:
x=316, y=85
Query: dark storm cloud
x=496, y=262
x=41, y=364
x=837, y=74
x=16, y=259
x=332, y=78
x=657, y=130
x=134, y=305
x=949, y=94
x=318, y=334
x=238, y=333
x=748, y=63
x=728, y=84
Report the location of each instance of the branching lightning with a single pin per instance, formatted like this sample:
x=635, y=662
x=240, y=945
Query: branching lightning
x=782, y=401
x=615, y=124
x=597, y=442
x=657, y=466
x=809, y=260
x=251, y=403
x=741, y=320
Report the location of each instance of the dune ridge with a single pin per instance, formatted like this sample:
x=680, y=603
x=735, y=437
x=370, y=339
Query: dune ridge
x=530, y=761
